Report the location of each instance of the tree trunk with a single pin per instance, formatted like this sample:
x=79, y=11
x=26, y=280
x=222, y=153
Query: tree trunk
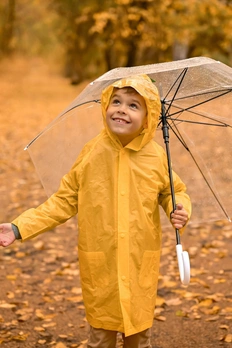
x=180, y=50
x=8, y=28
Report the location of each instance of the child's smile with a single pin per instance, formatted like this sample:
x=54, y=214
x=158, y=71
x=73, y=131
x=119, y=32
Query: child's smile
x=119, y=120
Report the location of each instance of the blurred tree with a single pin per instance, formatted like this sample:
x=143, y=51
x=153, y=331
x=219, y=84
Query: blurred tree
x=36, y=29
x=92, y=37
x=134, y=32
x=102, y=36
x=120, y=29
x=27, y=27
x=7, y=23
x=212, y=31
x=76, y=20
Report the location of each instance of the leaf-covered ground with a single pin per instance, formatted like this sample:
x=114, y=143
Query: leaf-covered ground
x=40, y=296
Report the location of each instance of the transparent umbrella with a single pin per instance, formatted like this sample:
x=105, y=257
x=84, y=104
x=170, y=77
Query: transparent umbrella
x=195, y=127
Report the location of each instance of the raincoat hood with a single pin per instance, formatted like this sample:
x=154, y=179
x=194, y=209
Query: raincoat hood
x=145, y=87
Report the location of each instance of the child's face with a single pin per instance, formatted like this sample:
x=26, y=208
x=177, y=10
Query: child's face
x=126, y=115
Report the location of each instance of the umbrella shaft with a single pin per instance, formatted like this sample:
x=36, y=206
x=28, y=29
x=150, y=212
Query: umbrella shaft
x=165, y=130
x=171, y=181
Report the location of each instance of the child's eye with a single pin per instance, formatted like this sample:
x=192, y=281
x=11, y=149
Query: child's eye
x=115, y=101
x=134, y=106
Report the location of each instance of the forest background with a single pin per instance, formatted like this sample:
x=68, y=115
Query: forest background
x=88, y=38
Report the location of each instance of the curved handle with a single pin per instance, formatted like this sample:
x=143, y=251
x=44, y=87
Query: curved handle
x=184, y=264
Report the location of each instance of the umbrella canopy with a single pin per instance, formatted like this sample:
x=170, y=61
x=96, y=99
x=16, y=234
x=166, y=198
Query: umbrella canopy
x=197, y=102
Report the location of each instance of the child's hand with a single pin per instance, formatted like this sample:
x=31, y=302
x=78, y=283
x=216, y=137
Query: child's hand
x=179, y=217
x=7, y=236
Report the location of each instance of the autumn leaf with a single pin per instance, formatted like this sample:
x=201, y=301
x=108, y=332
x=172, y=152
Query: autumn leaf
x=7, y=305
x=215, y=318
x=174, y=301
x=160, y=301
x=181, y=313
x=20, y=337
x=228, y=338
x=60, y=345
x=160, y=318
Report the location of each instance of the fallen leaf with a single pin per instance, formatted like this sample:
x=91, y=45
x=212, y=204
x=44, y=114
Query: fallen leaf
x=42, y=342
x=61, y=345
x=225, y=327
x=52, y=324
x=83, y=345
x=11, y=277
x=199, y=281
x=39, y=245
x=20, y=254
x=20, y=337
x=10, y=294
x=160, y=318
x=228, y=338
x=75, y=299
x=76, y=291
x=7, y=305
x=160, y=301
x=39, y=329
x=173, y=301
x=212, y=318
x=181, y=313
x=218, y=281
x=81, y=307
x=227, y=310
x=205, y=303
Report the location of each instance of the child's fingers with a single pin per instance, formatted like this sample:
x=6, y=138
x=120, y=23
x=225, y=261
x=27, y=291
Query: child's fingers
x=2, y=242
x=179, y=206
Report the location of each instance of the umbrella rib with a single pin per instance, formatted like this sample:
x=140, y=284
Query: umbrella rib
x=219, y=124
x=180, y=138
x=198, y=104
x=183, y=72
x=61, y=115
x=181, y=78
x=75, y=106
x=228, y=90
x=200, y=123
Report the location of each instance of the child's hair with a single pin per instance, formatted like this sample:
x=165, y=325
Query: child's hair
x=129, y=90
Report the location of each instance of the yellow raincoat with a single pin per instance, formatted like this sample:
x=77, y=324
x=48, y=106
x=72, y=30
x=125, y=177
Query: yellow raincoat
x=116, y=192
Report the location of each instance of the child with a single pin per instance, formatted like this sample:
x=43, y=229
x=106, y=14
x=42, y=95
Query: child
x=116, y=185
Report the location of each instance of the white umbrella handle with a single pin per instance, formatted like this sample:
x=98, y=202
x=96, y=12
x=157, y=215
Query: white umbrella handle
x=184, y=264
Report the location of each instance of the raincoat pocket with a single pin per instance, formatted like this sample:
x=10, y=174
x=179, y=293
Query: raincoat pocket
x=149, y=271
x=94, y=271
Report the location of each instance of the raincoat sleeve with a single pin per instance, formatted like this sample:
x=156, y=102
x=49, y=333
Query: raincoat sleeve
x=60, y=207
x=56, y=210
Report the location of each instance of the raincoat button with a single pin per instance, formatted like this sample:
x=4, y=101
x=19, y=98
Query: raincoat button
x=122, y=235
x=123, y=278
x=122, y=193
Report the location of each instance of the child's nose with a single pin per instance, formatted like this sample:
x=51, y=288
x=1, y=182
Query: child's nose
x=122, y=108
